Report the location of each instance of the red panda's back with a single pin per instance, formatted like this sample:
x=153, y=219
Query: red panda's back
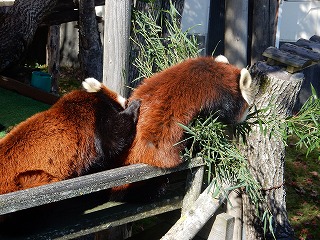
x=177, y=95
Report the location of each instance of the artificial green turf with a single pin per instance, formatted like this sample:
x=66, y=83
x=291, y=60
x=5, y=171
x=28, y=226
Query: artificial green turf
x=14, y=108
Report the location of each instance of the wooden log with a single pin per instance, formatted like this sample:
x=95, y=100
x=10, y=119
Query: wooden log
x=301, y=51
x=196, y=217
x=90, y=47
x=18, y=28
x=234, y=209
x=314, y=46
x=106, y=216
x=264, y=25
x=315, y=38
x=293, y=62
x=222, y=228
x=27, y=90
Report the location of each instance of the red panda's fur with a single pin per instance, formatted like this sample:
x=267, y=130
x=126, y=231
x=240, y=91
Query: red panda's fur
x=177, y=95
x=81, y=133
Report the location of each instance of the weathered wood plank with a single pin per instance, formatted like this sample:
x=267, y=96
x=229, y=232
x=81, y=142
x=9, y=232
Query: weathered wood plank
x=301, y=51
x=194, y=187
x=314, y=46
x=24, y=199
x=106, y=216
x=27, y=90
x=222, y=228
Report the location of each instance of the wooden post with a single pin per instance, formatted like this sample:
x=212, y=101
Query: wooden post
x=266, y=154
x=197, y=216
x=222, y=228
x=53, y=56
x=194, y=184
x=234, y=209
x=116, y=44
x=264, y=26
x=236, y=32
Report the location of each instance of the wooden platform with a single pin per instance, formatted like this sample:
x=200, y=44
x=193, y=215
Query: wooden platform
x=295, y=56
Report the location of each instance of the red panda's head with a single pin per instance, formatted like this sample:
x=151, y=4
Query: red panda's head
x=230, y=90
x=177, y=95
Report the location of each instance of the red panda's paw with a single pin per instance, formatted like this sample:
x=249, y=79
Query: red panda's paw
x=91, y=85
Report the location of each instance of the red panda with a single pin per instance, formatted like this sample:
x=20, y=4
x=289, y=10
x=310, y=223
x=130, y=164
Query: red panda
x=81, y=133
x=177, y=95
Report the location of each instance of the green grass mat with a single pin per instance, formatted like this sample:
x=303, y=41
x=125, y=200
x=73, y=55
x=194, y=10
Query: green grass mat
x=14, y=108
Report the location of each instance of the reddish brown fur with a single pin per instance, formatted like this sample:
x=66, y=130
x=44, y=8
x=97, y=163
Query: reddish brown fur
x=60, y=143
x=177, y=95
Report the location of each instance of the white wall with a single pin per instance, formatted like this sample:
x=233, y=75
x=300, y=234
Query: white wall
x=196, y=16
x=298, y=19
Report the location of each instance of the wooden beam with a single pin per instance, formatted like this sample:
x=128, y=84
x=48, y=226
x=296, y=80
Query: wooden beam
x=27, y=90
x=19, y=200
x=106, y=216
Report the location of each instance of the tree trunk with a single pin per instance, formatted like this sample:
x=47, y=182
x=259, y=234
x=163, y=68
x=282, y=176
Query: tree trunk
x=18, y=26
x=90, y=47
x=266, y=154
x=53, y=53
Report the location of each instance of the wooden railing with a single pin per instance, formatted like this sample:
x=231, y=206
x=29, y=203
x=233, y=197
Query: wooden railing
x=108, y=214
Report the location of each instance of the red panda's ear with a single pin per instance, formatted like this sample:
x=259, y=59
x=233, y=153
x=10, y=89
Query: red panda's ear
x=222, y=59
x=246, y=87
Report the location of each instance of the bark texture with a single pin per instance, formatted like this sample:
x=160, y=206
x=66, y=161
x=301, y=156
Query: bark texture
x=53, y=53
x=264, y=19
x=266, y=154
x=18, y=27
x=90, y=47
